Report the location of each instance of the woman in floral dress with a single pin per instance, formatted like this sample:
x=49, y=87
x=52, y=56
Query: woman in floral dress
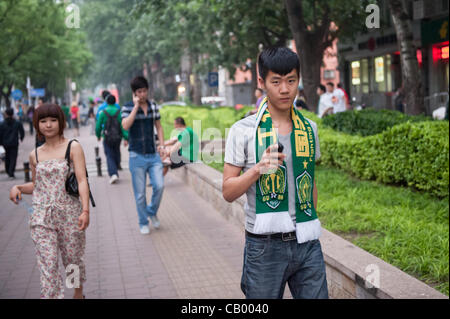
x=59, y=220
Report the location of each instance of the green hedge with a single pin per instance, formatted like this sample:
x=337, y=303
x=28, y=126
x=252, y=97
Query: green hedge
x=220, y=117
x=368, y=121
x=412, y=154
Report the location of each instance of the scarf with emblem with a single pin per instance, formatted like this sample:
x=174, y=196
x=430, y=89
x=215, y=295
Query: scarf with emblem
x=272, y=196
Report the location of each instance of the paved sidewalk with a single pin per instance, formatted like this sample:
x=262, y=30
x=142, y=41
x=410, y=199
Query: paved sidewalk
x=196, y=253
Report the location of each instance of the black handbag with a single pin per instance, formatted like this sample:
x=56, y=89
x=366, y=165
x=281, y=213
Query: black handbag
x=71, y=181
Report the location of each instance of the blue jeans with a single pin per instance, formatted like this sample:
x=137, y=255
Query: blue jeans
x=140, y=165
x=270, y=263
x=112, y=153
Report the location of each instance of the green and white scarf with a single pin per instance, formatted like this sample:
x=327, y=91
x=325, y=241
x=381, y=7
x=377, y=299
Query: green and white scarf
x=272, y=196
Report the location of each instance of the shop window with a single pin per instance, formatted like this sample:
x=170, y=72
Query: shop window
x=383, y=75
x=356, y=74
x=360, y=76
x=379, y=69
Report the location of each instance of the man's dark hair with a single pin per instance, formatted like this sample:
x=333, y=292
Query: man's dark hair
x=9, y=112
x=322, y=88
x=138, y=82
x=105, y=94
x=339, y=85
x=111, y=99
x=279, y=60
x=180, y=121
x=331, y=84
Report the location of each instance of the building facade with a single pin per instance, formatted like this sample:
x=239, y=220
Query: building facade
x=239, y=90
x=371, y=67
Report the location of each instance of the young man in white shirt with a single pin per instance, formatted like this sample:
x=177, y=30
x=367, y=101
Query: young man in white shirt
x=281, y=224
x=325, y=104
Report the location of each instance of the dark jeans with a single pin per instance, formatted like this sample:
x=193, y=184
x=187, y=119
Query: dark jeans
x=11, y=159
x=112, y=153
x=270, y=263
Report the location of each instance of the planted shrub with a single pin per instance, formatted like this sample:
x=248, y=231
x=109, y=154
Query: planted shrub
x=368, y=121
x=410, y=154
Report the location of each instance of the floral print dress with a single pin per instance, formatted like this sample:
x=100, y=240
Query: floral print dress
x=54, y=228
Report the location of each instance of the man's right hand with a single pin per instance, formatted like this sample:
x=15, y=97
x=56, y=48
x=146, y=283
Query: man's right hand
x=135, y=100
x=270, y=160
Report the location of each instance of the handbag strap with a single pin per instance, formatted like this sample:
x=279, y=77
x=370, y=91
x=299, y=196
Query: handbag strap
x=67, y=157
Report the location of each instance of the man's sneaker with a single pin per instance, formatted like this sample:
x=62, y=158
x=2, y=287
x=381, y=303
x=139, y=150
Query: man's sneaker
x=144, y=229
x=155, y=221
x=113, y=179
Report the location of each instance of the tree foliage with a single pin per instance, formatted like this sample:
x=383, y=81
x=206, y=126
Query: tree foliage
x=37, y=43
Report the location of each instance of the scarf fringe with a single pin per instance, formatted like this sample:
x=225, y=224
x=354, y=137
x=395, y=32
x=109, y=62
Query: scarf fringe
x=279, y=222
x=307, y=231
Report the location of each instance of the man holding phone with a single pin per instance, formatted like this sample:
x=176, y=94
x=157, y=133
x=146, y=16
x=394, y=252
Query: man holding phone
x=140, y=117
x=276, y=150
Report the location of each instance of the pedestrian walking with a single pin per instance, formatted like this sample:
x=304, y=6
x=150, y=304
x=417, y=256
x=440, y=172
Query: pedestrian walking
x=109, y=126
x=276, y=150
x=340, y=104
x=139, y=118
x=104, y=105
x=30, y=112
x=75, y=117
x=91, y=116
x=11, y=130
x=59, y=220
x=66, y=111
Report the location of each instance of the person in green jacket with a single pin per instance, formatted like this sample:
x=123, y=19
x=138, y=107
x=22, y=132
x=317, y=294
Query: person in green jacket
x=181, y=149
x=109, y=127
x=66, y=111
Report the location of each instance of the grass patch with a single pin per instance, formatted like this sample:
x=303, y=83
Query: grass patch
x=407, y=229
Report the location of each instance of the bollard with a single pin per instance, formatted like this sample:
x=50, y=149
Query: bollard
x=26, y=170
x=98, y=160
x=96, y=151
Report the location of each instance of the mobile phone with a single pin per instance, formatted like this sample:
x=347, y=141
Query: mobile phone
x=280, y=147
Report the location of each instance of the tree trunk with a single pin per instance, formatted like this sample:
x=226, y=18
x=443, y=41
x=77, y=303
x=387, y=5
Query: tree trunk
x=411, y=76
x=310, y=63
x=310, y=47
x=150, y=79
x=197, y=89
x=254, y=81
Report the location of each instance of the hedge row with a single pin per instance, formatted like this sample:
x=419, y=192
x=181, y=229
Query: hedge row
x=412, y=154
x=368, y=121
x=220, y=117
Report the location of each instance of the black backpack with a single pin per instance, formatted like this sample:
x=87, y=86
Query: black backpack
x=113, y=132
